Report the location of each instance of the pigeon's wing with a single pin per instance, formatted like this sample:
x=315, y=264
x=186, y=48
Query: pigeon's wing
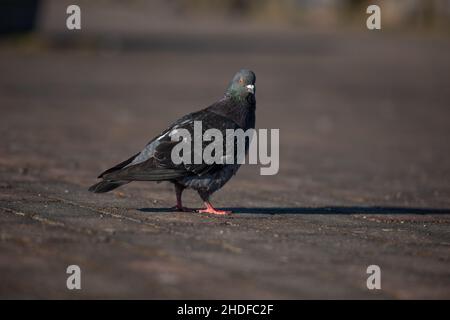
x=209, y=120
x=145, y=155
x=155, y=161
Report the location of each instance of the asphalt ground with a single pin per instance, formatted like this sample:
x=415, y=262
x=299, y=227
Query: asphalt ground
x=364, y=174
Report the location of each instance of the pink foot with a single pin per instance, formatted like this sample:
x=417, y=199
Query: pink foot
x=212, y=210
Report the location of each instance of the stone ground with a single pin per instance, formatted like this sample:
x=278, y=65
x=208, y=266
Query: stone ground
x=364, y=125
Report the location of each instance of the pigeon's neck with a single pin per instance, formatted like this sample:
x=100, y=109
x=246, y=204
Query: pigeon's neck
x=240, y=110
x=234, y=94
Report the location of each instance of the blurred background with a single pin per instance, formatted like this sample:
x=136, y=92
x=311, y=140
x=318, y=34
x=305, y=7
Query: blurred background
x=364, y=119
x=155, y=16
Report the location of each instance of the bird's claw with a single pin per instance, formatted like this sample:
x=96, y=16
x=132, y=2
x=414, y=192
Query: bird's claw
x=214, y=211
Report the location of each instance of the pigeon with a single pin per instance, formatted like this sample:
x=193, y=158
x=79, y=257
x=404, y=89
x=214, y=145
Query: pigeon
x=235, y=110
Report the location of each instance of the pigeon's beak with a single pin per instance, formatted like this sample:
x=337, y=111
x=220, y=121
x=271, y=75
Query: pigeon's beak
x=251, y=88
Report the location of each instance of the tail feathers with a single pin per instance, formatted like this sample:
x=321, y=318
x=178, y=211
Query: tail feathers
x=119, y=166
x=105, y=186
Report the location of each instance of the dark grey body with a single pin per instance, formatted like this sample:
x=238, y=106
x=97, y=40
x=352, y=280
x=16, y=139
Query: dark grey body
x=236, y=110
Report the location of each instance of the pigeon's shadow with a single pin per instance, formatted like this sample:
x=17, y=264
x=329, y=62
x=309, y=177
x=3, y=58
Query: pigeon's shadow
x=322, y=210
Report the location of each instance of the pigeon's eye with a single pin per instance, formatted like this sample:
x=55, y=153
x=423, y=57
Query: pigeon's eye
x=241, y=81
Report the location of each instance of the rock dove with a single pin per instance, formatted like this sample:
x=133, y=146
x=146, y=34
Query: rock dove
x=235, y=110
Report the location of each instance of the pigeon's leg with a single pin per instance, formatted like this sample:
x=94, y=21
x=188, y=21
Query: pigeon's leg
x=211, y=209
x=178, y=192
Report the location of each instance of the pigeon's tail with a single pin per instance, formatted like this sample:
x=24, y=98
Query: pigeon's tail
x=105, y=186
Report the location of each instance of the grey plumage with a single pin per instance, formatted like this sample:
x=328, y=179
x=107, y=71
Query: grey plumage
x=105, y=186
x=236, y=110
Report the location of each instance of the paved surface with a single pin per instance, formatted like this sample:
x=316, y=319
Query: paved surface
x=364, y=179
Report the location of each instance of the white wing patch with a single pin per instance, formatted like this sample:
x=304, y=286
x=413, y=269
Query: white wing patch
x=149, y=150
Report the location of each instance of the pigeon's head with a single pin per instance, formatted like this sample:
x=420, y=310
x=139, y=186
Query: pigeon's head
x=243, y=84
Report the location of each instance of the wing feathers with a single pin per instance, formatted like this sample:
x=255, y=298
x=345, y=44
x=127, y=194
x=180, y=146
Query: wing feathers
x=118, y=166
x=156, y=163
x=152, y=174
